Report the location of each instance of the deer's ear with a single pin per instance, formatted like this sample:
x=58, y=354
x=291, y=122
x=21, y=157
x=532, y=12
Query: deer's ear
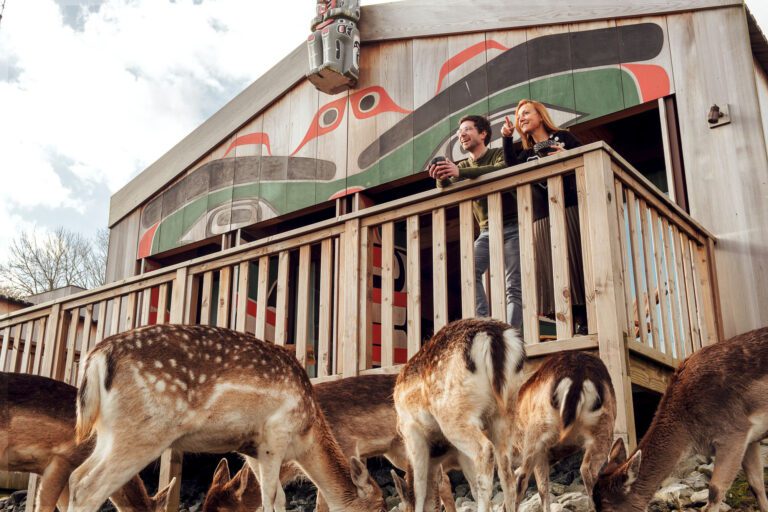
x=161, y=498
x=358, y=471
x=618, y=452
x=399, y=485
x=633, y=469
x=244, y=478
x=221, y=475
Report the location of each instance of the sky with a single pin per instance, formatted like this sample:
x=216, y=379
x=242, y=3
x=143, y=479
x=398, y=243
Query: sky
x=94, y=91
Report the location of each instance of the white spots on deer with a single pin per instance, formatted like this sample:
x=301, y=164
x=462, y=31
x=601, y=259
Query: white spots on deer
x=158, y=364
x=160, y=386
x=181, y=384
x=172, y=362
x=202, y=378
x=138, y=344
x=218, y=346
x=217, y=359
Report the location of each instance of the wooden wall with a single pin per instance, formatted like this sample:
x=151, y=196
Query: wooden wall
x=726, y=167
x=123, y=242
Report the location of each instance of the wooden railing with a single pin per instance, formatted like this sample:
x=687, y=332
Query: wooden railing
x=313, y=288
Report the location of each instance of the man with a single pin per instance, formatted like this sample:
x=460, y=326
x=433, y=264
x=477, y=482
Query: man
x=474, y=136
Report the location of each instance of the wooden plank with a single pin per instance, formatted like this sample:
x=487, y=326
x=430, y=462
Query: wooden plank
x=663, y=286
x=115, y=318
x=704, y=295
x=146, y=306
x=498, y=296
x=387, y=294
x=5, y=348
x=528, y=265
x=225, y=289
x=69, y=365
x=25, y=358
x=365, y=355
x=715, y=289
x=349, y=298
x=439, y=269
x=687, y=341
x=673, y=296
x=652, y=287
x=467, y=254
x=85, y=341
x=326, y=308
x=698, y=339
x=39, y=347
x=262, y=294
x=666, y=141
x=130, y=312
x=609, y=298
x=561, y=278
x=162, y=304
x=205, y=302
x=302, y=305
x=414, y=285
x=623, y=244
x=281, y=311
x=14, y=351
x=191, y=292
x=637, y=262
x=179, y=296
x=587, y=342
x=242, y=299
x=51, y=341
x=586, y=258
x=648, y=375
x=170, y=468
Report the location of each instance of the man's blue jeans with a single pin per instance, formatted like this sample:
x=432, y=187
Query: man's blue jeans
x=514, y=291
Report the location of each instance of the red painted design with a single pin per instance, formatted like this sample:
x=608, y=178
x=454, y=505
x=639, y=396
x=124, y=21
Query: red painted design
x=251, y=138
x=382, y=102
x=145, y=244
x=318, y=128
x=652, y=79
x=399, y=299
x=345, y=192
x=464, y=55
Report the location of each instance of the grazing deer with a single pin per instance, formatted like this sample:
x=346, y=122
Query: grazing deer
x=716, y=404
x=207, y=389
x=461, y=389
x=567, y=405
x=37, y=435
x=360, y=412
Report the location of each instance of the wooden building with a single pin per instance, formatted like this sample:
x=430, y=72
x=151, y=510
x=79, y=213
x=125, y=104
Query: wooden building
x=307, y=219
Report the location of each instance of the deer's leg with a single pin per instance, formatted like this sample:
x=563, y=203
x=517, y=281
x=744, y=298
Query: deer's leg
x=728, y=457
x=270, y=458
x=320, y=504
x=52, y=483
x=465, y=463
x=417, y=448
x=446, y=493
x=753, y=468
x=468, y=438
x=501, y=434
x=541, y=471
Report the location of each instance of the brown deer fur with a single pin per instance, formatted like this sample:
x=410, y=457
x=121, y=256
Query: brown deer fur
x=716, y=404
x=361, y=414
x=207, y=389
x=461, y=389
x=567, y=405
x=37, y=435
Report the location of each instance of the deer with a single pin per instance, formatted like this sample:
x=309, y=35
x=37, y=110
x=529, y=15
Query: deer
x=567, y=405
x=361, y=414
x=460, y=391
x=207, y=389
x=37, y=435
x=716, y=403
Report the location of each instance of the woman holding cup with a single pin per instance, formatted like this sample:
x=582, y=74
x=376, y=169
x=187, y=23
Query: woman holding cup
x=539, y=134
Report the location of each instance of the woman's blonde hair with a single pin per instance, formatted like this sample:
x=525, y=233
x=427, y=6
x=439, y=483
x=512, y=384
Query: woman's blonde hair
x=546, y=120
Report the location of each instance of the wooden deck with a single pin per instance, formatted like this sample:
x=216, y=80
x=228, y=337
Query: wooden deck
x=635, y=245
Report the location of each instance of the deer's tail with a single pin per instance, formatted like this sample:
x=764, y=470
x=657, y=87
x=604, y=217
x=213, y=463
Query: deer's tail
x=576, y=399
x=89, y=395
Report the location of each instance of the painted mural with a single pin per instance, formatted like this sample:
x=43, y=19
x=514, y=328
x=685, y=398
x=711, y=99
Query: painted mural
x=310, y=147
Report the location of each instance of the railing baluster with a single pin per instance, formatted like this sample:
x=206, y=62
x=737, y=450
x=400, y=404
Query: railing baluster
x=528, y=265
x=467, y=252
x=439, y=270
x=673, y=297
x=365, y=352
x=414, y=285
x=5, y=348
x=498, y=293
x=281, y=311
x=262, y=295
x=687, y=341
x=652, y=287
x=129, y=322
x=636, y=244
x=693, y=311
x=74, y=321
x=349, y=298
x=662, y=285
x=387, y=294
x=85, y=341
x=51, y=342
x=205, y=302
x=146, y=306
x=162, y=304
x=225, y=288
x=39, y=347
x=302, y=304
x=586, y=257
x=242, y=298
x=704, y=294
x=561, y=278
x=25, y=358
x=115, y=320
x=326, y=308
x=627, y=277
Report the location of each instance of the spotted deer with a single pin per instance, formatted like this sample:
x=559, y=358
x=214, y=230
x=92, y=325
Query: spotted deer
x=37, y=435
x=716, y=403
x=567, y=405
x=360, y=412
x=460, y=390
x=207, y=389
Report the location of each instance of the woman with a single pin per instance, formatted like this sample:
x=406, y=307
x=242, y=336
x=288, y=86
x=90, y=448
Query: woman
x=539, y=134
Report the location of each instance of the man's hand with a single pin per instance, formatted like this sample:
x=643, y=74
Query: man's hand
x=443, y=170
x=508, y=128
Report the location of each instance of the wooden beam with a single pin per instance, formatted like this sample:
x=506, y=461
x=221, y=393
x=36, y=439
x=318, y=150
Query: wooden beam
x=281, y=311
x=414, y=285
x=651, y=376
x=387, y=294
x=242, y=299
x=262, y=295
x=365, y=352
x=117, y=303
x=206, y=299
x=326, y=308
x=225, y=289
x=439, y=269
x=561, y=278
x=349, y=283
x=586, y=257
x=74, y=320
x=528, y=265
x=85, y=341
x=38, y=346
x=178, y=297
x=497, y=298
x=467, y=254
x=30, y=328
x=303, y=313
x=170, y=467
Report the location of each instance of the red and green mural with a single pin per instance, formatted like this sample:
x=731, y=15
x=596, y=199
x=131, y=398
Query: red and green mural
x=309, y=147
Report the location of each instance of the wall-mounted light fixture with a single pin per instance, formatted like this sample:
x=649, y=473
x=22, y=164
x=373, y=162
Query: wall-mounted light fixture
x=718, y=115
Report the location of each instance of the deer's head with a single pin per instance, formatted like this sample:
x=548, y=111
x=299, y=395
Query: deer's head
x=239, y=494
x=613, y=490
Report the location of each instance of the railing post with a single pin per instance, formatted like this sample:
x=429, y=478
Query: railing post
x=51, y=341
x=608, y=290
x=349, y=295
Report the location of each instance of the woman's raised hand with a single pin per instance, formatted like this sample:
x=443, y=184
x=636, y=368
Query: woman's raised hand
x=508, y=128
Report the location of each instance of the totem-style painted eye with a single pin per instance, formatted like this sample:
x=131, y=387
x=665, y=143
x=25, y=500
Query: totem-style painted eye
x=373, y=101
x=327, y=119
